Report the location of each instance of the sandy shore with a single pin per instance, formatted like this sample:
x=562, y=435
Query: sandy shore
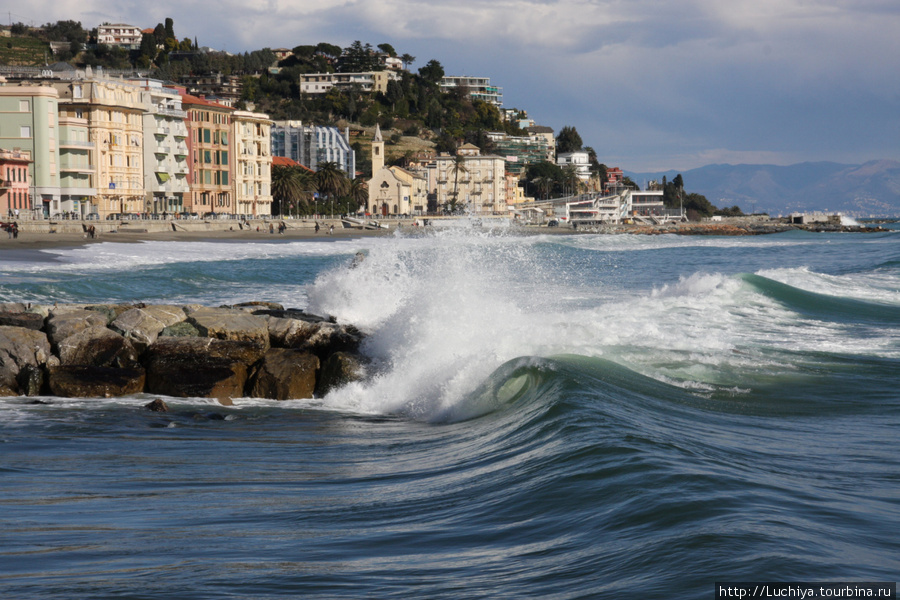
x=43, y=241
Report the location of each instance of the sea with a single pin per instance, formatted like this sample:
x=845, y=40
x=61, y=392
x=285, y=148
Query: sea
x=542, y=416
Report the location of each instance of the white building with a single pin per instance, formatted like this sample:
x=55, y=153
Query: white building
x=478, y=88
x=119, y=34
x=252, y=175
x=580, y=160
x=311, y=145
x=371, y=81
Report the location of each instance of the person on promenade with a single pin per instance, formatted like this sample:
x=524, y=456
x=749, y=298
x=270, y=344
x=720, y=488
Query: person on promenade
x=15, y=229
x=317, y=227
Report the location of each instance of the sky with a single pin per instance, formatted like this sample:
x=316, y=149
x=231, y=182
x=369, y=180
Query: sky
x=651, y=85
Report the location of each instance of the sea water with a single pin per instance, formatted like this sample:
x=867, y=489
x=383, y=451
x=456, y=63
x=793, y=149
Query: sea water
x=584, y=416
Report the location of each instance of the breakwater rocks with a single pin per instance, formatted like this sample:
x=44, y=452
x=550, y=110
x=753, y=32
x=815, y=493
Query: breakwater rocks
x=254, y=349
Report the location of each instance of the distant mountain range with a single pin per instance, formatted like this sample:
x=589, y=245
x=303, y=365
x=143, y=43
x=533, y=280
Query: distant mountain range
x=870, y=189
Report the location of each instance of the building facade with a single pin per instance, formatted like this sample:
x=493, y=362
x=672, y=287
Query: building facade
x=477, y=88
x=311, y=145
x=370, y=81
x=15, y=183
x=114, y=111
x=209, y=147
x=165, y=155
x=471, y=181
x=29, y=122
x=119, y=34
x=252, y=143
x=77, y=172
x=393, y=190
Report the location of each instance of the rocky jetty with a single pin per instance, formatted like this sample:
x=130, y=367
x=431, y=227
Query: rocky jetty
x=254, y=349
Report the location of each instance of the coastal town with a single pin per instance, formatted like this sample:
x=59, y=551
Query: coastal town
x=107, y=148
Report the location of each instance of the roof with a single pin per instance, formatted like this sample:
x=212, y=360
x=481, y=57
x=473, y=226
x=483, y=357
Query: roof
x=189, y=99
x=284, y=161
x=539, y=129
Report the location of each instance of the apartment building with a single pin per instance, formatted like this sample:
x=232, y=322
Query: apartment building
x=252, y=143
x=77, y=172
x=477, y=88
x=476, y=184
x=579, y=160
x=114, y=111
x=29, y=122
x=311, y=145
x=209, y=147
x=520, y=151
x=15, y=183
x=119, y=34
x=370, y=81
x=166, y=153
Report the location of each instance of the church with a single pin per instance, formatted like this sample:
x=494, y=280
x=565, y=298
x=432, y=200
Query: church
x=394, y=190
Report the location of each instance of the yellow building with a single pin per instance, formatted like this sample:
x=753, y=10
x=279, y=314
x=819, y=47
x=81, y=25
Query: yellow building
x=114, y=112
x=470, y=181
x=252, y=143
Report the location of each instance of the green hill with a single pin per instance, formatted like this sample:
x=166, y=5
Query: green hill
x=24, y=51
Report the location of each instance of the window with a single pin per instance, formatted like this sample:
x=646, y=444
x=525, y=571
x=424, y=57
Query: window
x=25, y=131
x=206, y=136
x=24, y=106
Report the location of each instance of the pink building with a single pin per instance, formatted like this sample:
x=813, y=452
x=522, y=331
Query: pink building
x=14, y=183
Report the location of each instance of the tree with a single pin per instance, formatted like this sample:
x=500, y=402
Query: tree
x=458, y=166
x=568, y=140
x=331, y=180
x=407, y=60
x=387, y=49
x=170, y=28
x=358, y=192
x=432, y=72
x=288, y=187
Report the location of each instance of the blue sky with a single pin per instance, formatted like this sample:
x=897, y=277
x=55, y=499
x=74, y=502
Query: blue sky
x=650, y=84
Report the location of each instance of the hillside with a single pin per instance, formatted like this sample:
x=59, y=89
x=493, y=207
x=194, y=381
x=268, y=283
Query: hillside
x=870, y=189
x=24, y=52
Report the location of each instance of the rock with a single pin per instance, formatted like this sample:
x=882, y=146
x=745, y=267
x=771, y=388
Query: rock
x=30, y=380
x=111, y=311
x=293, y=313
x=22, y=319
x=256, y=305
x=337, y=370
x=143, y=325
x=20, y=347
x=12, y=307
x=183, y=329
x=64, y=323
x=98, y=347
x=330, y=338
x=285, y=374
x=200, y=367
x=79, y=381
x=157, y=406
x=289, y=333
x=235, y=325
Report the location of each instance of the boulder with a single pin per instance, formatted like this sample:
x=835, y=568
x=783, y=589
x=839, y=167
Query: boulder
x=30, y=380
x=329, y=338
x=20, y=347
x=157, y=405
x=22, y=319
x=256, y=305
x=285, y=374
x=183, y=329
x=81, y=381
x=13, y=307
x=111, y=311
x=64, y=323
x=289, y=333
x=200, y=367
x=98, y=347
x=143, y=325
x=337, y=370
x=227, y=324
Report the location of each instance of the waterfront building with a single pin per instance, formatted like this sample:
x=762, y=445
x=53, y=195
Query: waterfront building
x=520, y=151
x=165, y=153
x=311, y=145
x=209, y=148
x=252, y=143
x=580, y=160
x=473, y=182
x=29, y=122
x=77, y=172
x=394, y=190
x=15, y=183
x=477, y=88
x=114, y=111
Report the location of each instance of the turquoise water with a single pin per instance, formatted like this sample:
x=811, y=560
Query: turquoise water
x=545, y=417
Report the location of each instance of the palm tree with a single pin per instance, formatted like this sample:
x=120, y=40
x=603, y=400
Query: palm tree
x=458, y=166
x=407, y=59
x=331, y=180
x=286, y=187
x=358, y=192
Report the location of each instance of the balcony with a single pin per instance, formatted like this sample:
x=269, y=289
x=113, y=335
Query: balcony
x=76, y=145
x=89, y=169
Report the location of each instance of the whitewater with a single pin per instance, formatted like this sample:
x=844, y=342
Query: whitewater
x=552, y=416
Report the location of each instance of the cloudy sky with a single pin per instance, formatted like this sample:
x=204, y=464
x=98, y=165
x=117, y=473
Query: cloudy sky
x=650, y=84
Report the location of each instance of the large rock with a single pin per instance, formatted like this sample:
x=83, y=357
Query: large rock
x=228, y=324
x=329, y=338
x=13, y=307
x=338, y=370
x=285, y=374
x=79, y=381
x=21, y=348
x=22, y=319
x=143, y=325
x=63, y=323
x=200, y=367
x=98, y=347
x=289, y=333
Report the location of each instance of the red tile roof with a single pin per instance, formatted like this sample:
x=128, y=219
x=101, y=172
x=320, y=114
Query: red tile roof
x=189, y=99
x=284, y=161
